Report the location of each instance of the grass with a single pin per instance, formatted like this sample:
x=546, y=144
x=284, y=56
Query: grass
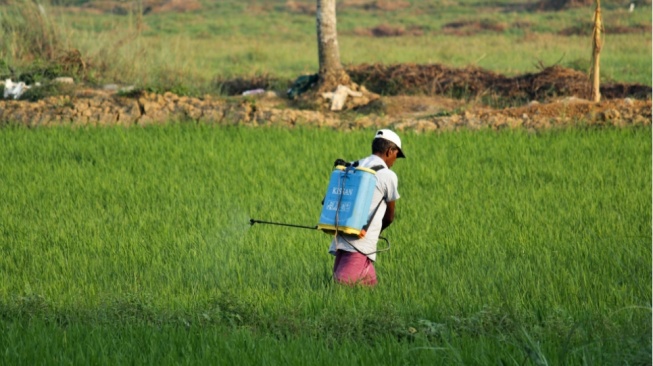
x=193, y=50
x=121, y=246
x=133, y=246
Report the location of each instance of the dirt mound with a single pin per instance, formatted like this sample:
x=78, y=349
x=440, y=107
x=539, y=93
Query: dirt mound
x=308, y=8
x=416, y=113
x=585, y=29
x=149, y=6
x=386, y=5
x=386, y=30
x=412, y=97
x=468, y=27
x=561, y=4
x=435, y=79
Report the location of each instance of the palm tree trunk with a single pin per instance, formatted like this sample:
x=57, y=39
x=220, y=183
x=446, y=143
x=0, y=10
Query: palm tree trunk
x=331, y=72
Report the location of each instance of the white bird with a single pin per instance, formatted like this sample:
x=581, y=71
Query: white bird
x=14, y=90
x=8, y=86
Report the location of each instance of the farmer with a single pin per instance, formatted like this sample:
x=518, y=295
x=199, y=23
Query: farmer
x=354, y=262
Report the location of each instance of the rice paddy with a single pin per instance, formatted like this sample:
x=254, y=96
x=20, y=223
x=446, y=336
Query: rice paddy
x=134, y=246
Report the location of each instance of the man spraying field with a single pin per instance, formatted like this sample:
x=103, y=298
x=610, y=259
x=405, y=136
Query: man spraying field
x=359, y=204
x=355, y=254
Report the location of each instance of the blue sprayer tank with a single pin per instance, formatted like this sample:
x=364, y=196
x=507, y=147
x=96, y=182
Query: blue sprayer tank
x=348, y=200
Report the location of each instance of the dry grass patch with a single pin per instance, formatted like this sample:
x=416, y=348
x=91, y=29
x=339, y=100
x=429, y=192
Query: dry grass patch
x=471, y=27
x=376, y=5
x=386, y=30
x=585, y=29
x=149, y=6
x=561, y=4
x=301, y=7
x=178, y=6
x=436, y=79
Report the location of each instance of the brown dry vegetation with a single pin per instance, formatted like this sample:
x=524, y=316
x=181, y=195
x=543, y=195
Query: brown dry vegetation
x=465, y=28
x=387, y=5
x=386, y=30
x=462, y=83
x=308, y=8
x=585, y=29
x=468, y=27
x=436, y=79
x=153, y=6
x=561, y=4
x=300, y=7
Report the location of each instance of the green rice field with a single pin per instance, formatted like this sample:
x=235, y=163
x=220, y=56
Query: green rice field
x=133, y=246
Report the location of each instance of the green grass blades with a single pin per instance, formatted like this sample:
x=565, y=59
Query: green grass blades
x=508, y=246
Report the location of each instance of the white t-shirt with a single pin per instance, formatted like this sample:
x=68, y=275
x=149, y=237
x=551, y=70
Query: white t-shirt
x=386, y=191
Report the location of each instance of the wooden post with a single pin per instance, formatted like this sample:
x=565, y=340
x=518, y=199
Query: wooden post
x=597, y=44
x=139, y=16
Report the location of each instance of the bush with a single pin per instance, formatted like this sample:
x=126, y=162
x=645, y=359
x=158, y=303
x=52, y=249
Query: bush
x=27, y=32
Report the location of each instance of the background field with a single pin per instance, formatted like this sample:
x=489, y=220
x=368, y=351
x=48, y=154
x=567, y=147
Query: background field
x=193, y=52
x=133, y=245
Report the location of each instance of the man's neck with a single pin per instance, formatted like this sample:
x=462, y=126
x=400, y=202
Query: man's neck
x=380, y=155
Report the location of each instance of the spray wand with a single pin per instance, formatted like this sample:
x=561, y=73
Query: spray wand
x=252, y=222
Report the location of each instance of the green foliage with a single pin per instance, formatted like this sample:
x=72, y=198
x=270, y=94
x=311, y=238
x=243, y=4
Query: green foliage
x=6, y=71
x=582, y=65
x=39, y=71
x=507, y=247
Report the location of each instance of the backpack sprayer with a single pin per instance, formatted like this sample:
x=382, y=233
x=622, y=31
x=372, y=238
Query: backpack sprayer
x=346, y=205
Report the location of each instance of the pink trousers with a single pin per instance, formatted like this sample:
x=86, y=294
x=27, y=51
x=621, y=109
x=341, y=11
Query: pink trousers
x=351, y=268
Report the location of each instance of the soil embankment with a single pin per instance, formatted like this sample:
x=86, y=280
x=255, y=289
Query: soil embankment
x=416, y=97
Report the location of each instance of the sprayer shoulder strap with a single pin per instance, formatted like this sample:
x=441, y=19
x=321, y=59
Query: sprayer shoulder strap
x=376, y=168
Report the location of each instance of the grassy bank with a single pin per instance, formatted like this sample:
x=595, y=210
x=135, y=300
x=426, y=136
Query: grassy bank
x=507, y=246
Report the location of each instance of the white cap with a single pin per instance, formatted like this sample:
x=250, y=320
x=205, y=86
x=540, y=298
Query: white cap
x=392, y=137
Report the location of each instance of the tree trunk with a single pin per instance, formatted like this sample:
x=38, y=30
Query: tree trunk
x=597, y=44
x=331, y=72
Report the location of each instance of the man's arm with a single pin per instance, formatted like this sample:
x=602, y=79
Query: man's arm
x=389, y=216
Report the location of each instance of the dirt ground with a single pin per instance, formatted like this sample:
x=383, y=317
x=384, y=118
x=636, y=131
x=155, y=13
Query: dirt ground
x=403, y=96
